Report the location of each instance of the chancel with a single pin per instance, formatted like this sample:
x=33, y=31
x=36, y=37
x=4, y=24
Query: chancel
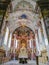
x=24, y=32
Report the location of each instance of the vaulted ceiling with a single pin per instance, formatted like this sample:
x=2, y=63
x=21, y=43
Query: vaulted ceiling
x=44, y=6
x=23, y=13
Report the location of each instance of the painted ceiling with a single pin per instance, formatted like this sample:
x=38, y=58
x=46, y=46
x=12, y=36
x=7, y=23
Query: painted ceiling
x=24, y=13
x=21, y=9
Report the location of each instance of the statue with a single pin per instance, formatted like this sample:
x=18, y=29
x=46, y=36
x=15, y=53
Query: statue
x=23, y=55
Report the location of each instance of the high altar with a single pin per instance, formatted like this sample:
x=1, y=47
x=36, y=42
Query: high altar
x=25, y=44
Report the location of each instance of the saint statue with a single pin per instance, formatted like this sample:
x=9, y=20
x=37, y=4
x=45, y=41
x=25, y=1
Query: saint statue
x=23, y=51
x=23, y=55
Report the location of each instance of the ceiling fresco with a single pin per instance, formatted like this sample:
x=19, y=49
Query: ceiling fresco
x=34, y=6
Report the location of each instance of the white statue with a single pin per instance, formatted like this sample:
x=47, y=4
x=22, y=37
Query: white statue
x=23, y=52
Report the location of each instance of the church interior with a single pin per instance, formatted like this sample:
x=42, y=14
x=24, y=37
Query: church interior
x=24, y=32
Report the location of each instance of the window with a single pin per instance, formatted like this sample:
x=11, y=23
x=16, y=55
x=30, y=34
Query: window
x=6, y=36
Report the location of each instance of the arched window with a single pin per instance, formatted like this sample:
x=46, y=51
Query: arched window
x=6, y=36
x=9, y=42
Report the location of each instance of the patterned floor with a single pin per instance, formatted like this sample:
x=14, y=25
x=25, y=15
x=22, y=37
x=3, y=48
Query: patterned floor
x=17, y=63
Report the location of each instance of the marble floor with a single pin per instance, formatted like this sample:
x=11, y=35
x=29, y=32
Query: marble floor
x=15, y=62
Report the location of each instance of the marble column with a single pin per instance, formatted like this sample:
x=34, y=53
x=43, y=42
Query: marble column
x=10, y=39
x=40, y=36
x=9, y=44
x=30, y=42
x=37, y=47
x=37, y=44
x=45, y=37
x=44, y=32
x=41, y=40
x=6, y=38
x=14, y=45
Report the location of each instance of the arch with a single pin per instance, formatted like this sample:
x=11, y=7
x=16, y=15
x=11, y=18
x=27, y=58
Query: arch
x=25, y=29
